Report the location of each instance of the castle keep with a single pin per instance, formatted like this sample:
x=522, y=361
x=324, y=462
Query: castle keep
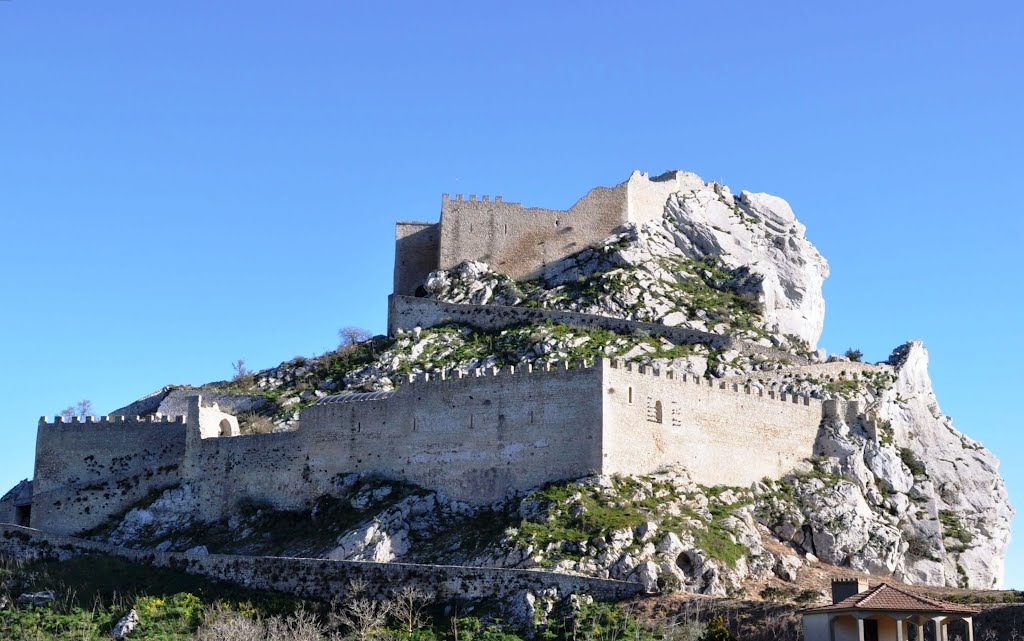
x=477, y=437
x=521, y=241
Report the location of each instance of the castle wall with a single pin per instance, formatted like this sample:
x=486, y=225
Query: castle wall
x=474, y=438
x=722, y=436
x=406, y=313
x=417, y=247
x=323, y=578
x=520, y=241
x=87, y=470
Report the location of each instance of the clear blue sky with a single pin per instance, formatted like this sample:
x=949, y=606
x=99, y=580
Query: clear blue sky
x=187, y=183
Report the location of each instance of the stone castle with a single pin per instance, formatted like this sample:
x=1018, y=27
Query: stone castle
x=478, y=436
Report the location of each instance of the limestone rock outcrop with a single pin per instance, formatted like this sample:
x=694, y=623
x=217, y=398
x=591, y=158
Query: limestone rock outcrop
x=901, y=493
x=970, y=496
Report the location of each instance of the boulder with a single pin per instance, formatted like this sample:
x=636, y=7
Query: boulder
x=126, y=625
x=37, y=599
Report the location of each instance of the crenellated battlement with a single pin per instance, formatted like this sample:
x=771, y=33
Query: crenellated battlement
x=716, y=384
x=471, y=198
x=448, y=375
x=119, y=421
x=528, y=369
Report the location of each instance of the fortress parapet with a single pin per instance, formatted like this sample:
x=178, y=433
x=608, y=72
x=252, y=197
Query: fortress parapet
x=472, y=198
x=102, y=421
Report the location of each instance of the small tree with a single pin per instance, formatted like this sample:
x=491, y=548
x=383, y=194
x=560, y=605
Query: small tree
x=363, y=617
x=241, y=371
x=81, y=409
x=854, y=355
x=409, y=604
x=351, y=336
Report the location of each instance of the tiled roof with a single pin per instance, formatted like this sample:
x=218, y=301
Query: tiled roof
x=890, y=597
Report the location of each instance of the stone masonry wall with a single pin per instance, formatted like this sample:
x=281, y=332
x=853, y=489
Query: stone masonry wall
x=87, y=470
x=417, y=250
x=820, y=371
x=520, y=241
x=322, y=578
x=723, y=434
x=475, y=438
x=405, y=312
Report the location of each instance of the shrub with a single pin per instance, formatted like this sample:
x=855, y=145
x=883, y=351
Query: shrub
x=717, y=631
x=772, y=593
x=854, y=355
x=913, y=463
x=807, y=597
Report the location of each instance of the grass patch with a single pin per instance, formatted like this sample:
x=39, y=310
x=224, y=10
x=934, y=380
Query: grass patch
x=953, y=528
x=94, y=591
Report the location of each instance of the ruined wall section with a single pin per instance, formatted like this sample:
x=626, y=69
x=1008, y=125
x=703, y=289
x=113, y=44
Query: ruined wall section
x=88, y=469
x=521, y=241
x=646, y=196
x=723, y=434
x=417, y=251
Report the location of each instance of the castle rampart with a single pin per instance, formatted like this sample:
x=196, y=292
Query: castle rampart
x=825, y=372
x=476, y=437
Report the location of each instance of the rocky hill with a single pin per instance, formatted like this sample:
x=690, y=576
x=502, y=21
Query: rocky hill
x=903, y=494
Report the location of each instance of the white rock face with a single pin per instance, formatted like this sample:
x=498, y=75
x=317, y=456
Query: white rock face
x=921, y=501
x=758, y=231
x=968, y=491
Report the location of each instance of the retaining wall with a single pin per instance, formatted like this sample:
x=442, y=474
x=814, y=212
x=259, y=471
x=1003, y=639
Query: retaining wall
x=821, y=371
x=323, y=578
x=408, y=312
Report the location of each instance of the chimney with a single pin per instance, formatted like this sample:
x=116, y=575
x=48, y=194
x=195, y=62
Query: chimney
x=846, y=588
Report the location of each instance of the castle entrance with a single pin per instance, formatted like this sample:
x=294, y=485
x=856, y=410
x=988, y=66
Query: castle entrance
x=23, y=515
